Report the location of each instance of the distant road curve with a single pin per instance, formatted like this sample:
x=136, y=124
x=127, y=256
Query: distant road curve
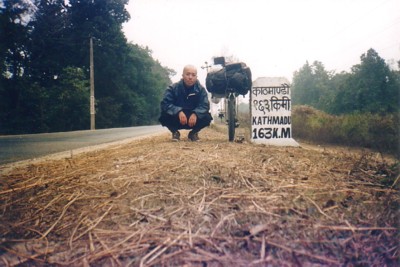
x=15, y=148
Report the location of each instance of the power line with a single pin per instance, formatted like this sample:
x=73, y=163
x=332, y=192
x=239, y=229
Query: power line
x=373, y=34
x=363, y=14
x=343, y=46
x=391, y=45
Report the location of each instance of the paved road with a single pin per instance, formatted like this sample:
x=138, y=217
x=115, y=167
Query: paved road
x=22, y=147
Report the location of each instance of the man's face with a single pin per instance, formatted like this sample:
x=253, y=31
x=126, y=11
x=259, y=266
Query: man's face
x=189, y=76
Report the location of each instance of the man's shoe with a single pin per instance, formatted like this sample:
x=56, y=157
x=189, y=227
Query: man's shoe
x=176, y=136
x=193, y=136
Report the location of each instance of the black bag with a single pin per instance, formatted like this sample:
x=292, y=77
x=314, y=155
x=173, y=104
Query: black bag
x=234, y=75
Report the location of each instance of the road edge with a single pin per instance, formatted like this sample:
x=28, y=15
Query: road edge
x=6, y=168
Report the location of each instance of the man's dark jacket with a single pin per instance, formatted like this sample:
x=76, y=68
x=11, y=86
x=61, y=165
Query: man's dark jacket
x=177, y=98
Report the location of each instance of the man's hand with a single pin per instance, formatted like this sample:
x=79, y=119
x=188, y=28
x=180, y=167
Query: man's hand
x=192, y=120
x=182, y=118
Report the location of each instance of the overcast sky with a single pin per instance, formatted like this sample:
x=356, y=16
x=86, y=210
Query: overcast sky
x=274, y=38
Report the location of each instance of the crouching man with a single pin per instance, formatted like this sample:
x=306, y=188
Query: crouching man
x=185, y=106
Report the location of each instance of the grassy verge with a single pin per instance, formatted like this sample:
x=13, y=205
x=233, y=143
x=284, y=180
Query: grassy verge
x=374, y=131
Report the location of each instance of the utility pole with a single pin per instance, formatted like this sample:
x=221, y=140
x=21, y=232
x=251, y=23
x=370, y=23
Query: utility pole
x=92, y=109
x=206, y=66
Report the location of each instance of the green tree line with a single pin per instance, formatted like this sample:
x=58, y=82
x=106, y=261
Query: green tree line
x=360, y=108
x=45, y=67
x=370, y=87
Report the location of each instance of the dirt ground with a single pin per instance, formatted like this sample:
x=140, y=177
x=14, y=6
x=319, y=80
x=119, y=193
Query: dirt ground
x=154, y=202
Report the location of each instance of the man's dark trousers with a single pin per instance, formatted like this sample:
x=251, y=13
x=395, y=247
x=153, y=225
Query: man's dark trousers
x=173, y=124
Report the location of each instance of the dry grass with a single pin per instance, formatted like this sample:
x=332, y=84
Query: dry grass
x=154, y=202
